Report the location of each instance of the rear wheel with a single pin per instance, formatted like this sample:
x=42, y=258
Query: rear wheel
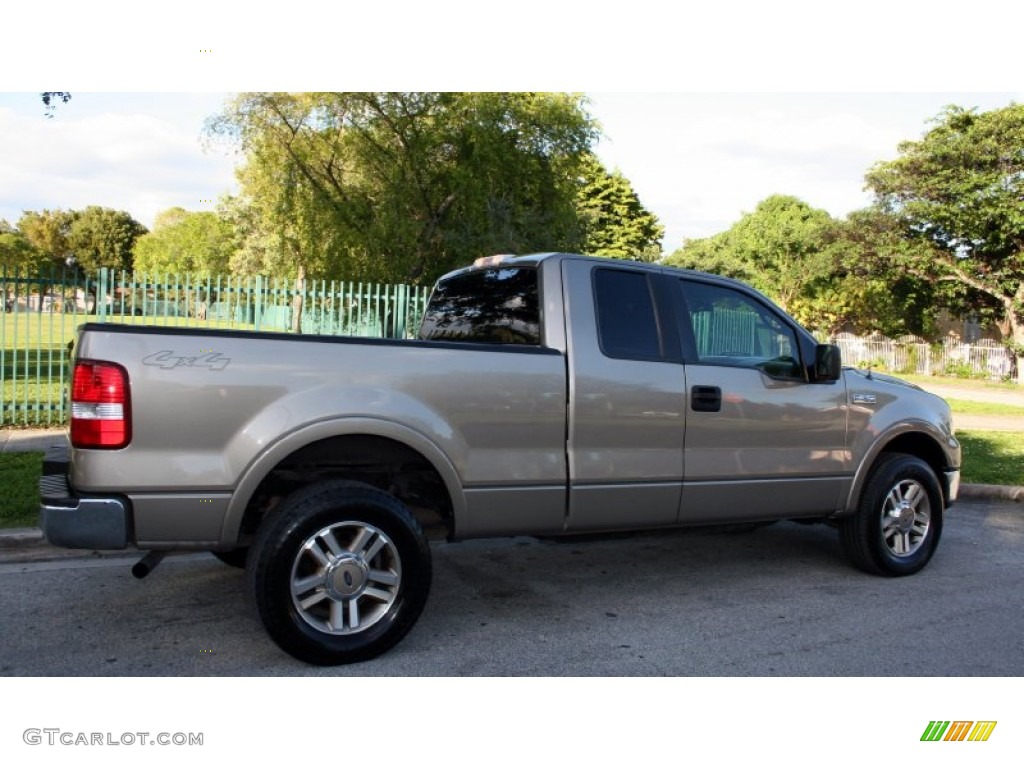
x=899, y=519
x=340, y=572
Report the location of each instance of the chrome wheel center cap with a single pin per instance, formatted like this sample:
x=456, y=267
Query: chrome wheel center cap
x=347, y=577
x=904, y=517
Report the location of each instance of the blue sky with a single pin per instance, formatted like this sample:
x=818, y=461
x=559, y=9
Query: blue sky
x=697, y=160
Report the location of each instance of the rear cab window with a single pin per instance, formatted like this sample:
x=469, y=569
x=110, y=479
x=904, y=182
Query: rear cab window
x=498, y=305
x=627, y=322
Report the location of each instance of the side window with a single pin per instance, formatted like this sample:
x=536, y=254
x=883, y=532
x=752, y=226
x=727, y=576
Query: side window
x=627, y=326
x=731, y=328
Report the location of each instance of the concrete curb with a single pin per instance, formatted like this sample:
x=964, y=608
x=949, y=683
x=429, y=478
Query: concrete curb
x=21, y=538
x=999, y=492
x=23, y=440
x=27, y=545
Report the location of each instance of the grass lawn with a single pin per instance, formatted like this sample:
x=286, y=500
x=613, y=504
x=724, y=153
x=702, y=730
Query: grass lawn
x=995, y=458
x=19, y=501
x=974, y=407
x=953, y=381
x=34, y=356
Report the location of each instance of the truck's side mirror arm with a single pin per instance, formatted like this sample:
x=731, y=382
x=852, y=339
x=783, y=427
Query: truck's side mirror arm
x=828, y=362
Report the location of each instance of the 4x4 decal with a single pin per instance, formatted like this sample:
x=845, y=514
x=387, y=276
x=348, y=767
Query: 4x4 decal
x=215, y=361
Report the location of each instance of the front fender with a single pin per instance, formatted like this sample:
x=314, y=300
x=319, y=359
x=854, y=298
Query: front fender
x=908, y=435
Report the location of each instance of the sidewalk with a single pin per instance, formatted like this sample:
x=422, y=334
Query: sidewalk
x=967, y=421
x=948, y=391
x=21, y=440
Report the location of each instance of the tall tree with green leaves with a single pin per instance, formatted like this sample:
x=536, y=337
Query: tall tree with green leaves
x=17, y=254
x=49, y=232
x=866, y=290
x=405, y=186
x=781, y=248
x=960, y=190
x=103, y=237
x=614, y=221
x=183, y=241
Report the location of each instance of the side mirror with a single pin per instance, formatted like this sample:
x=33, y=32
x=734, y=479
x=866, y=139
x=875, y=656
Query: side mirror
x=828, y=363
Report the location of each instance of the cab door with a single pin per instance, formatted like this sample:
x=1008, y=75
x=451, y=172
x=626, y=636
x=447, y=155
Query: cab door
x=761, y=441
x=626, y=398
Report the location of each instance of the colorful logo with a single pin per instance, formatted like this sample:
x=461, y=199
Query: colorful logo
x=958, y=730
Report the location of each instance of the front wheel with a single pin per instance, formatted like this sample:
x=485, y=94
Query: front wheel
x=340, y=572
x=898, y=522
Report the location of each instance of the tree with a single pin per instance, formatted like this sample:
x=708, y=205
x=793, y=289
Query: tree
x=405, y=186
x=781, y=249
x=960, y=190
x=52, y=98
x=17, y=253
x=49, y=232
x=255, y=248
x=866, y=290
x=102, y=237
x=184, y=241
x=615, y=222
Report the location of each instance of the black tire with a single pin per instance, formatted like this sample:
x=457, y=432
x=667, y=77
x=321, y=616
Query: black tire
x=339, y=572
x=898, y=521
x=233, y=557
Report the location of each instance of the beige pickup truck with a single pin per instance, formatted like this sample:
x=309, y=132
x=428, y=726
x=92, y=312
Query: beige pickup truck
x=549, y=395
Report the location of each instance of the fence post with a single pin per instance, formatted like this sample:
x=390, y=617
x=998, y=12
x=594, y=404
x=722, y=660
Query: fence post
x=398, y=311
x=258, y=302
x=101, y=295
x=3, y=347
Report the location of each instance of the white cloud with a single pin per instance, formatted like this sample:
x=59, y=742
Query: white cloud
x=699, y=161
x=126, y=158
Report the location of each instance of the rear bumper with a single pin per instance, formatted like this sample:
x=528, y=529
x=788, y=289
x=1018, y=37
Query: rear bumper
x=78, y=522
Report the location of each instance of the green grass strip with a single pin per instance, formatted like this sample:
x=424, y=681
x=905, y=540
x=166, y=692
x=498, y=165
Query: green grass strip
x=19, y=497
x=977, y=408
x=992, y=458
x=959, y=383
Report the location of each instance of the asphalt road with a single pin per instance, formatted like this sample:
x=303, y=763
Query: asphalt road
x=776, y=601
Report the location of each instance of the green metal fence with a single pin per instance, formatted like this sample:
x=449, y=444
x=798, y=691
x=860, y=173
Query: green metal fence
x=41, y=313
x=732, y=330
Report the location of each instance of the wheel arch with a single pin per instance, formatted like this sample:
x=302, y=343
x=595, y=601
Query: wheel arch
x=364, y=449
x=910, y=439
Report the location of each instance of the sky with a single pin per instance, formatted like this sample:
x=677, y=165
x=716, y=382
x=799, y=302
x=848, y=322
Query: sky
x=707, y=109
x=699, y=161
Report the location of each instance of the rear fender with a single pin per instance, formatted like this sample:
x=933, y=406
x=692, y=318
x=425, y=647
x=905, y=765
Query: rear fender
x=288, y=444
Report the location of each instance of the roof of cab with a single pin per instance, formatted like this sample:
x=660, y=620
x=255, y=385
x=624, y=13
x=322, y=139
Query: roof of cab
x=535, y=259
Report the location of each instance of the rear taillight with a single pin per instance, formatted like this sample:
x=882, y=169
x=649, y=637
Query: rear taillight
x=100, y=405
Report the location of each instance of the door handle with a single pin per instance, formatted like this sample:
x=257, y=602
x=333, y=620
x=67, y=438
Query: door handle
x=706, y=399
